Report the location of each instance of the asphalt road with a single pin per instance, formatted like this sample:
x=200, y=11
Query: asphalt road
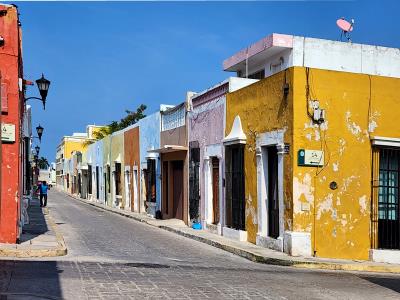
x=112, y=257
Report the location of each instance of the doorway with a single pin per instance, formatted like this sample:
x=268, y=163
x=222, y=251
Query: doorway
x=272, y=191
x=177, y=185
x=127, y=188
x=105, y=189
x=135, y=191
x=97, y=183
x=235, y=187
x=165, y=183
x=215, y=190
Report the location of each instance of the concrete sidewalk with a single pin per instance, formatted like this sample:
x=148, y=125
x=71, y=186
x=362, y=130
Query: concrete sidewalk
x=249, y=250
x=39, y=238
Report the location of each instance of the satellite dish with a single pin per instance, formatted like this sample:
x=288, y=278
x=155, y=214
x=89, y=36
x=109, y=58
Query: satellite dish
x=346, y=27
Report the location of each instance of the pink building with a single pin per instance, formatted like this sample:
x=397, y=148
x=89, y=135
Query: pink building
x=206, y=130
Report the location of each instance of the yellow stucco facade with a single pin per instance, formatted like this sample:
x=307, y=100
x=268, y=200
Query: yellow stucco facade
x=358, y=108
x=73, y=145
x=262, y=107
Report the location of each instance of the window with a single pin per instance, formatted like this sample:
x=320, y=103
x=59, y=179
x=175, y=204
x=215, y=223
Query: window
x=257, y=75
x=388, y=199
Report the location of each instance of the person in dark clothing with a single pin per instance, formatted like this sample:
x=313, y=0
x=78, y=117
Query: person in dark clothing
x=43, y=193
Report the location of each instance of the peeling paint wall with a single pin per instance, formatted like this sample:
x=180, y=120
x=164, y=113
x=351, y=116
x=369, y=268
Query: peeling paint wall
x=262, y=107
x=358, y=107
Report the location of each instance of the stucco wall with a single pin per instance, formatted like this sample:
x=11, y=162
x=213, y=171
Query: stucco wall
x=94, y=156
x=262, y=107
x=206, y=125
x=149, y=135
x=10, y=165
x=358, y=107
x=70, y=146
x=176, y=136
x=131, y=159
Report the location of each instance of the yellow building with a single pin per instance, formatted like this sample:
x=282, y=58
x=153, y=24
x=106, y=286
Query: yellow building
x=77, y=142
x=313, y=149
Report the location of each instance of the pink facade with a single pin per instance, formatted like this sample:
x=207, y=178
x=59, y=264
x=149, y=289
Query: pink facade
x=206, y=131
x=274, y=40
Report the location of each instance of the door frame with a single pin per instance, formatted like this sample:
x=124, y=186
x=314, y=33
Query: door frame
x=127, y=182
x=269, y=139
x=135, y=187
x=210, y=152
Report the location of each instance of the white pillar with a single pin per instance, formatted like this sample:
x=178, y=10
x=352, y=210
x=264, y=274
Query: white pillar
x=221, y=196
x=281, y=151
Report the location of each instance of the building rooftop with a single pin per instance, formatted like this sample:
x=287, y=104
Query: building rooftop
x=277, y=52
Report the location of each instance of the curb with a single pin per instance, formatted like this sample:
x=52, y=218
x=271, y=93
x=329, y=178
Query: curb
x=62, y=247
x=11, y=250
x=289, y=262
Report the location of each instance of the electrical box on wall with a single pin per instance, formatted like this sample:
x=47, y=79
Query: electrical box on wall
x=318, y=113
x=310, y=158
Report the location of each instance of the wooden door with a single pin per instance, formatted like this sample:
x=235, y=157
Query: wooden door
x=177, y=178
x=215, y=189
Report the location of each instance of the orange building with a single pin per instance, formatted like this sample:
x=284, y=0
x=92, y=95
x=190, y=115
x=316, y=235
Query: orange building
x=12, y=112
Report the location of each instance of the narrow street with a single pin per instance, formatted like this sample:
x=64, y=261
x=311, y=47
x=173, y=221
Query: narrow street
x=117, y=258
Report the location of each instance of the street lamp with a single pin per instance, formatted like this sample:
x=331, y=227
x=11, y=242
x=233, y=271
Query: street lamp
x=37, y=148
x=43, y=86
x=39, y=130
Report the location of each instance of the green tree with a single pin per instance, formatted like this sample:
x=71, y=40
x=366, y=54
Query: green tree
x=43, y=163
x=131, y=118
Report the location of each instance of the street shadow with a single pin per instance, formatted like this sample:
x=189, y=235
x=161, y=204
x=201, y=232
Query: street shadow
x=30, y=280
x=387, y=282
x=37, y=223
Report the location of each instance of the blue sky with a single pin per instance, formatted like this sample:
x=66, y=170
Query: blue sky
x=105, y=57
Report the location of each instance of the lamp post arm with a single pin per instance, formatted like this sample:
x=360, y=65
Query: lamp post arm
x=40, y=99
x=26, y=99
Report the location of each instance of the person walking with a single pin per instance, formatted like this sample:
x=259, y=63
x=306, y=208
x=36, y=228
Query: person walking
x=43, y=193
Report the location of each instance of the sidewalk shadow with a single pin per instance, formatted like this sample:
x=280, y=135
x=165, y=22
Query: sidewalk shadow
x=37, y=222
x=31, y=280
x=392, y=283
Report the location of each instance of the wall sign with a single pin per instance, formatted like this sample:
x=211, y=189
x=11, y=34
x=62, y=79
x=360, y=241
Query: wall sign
x=310, y=158
x=8, y=133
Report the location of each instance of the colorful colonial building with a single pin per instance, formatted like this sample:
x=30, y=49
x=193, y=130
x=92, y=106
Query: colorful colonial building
x=315, y=152
x=206, y=129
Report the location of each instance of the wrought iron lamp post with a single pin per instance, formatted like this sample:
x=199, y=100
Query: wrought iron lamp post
x=43, y=85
